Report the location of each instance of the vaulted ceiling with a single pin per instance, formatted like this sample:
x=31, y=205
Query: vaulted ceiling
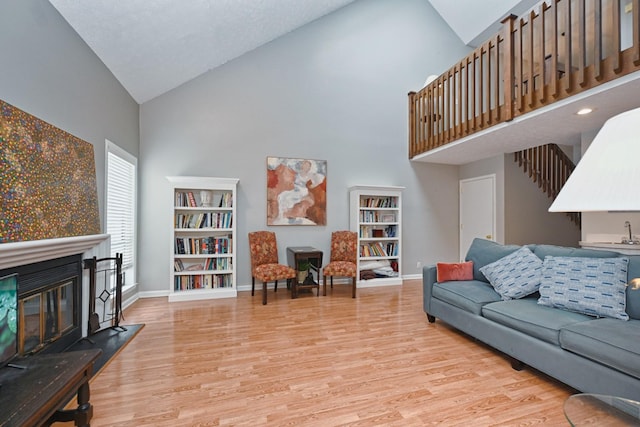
x=153, y=46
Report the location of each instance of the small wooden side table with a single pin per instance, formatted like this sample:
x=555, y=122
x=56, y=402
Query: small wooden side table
x=35, y=394
x=306, y=260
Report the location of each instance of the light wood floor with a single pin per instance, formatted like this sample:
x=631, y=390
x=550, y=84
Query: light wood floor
x=313, y=361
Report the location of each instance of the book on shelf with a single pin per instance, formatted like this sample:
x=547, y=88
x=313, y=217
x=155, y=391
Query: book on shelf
x=207, y=281
x=376, y=232
x=192, y=199
x=375, y=249
x=203, y=245
x=378, y=202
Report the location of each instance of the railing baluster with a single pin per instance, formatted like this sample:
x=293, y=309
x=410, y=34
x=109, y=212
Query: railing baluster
x=467, y=97
x=635, y=13
x=597, y=48
x=568, y=64
x=508, y=24
x=554, y=49
x=544, y=67
x=412, y=129
x=472, y=80
x=531, y=85
x=617, y=53
x=582, y=42
x=519, y=65
x=457, y=103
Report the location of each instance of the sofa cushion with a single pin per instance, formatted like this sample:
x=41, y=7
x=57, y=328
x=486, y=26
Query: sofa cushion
x=447, y=271
x=593, y=286
x=527, y=316
x=515, y=275
x=608, y=341
x=469, y=295
x=551, y=250
x=483, y=252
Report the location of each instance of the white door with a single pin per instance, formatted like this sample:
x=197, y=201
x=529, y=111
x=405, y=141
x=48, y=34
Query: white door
x=477, y=210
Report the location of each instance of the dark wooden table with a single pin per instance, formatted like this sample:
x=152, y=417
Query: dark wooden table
x=296, y=255
x=37, y=394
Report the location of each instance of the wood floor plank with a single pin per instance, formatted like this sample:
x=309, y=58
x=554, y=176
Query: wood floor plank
x=314, y=361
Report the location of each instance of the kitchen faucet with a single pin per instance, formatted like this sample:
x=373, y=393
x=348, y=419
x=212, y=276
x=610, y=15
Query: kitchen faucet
x=630, y=240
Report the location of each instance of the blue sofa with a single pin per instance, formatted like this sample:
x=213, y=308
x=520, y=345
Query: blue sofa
x=591, y=354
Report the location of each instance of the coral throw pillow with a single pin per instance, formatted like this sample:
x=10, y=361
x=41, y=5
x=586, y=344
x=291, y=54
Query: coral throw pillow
x=448, y=271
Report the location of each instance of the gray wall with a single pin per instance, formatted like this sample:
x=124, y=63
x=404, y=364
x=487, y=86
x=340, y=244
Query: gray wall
x=49, y=72
x=333, y=90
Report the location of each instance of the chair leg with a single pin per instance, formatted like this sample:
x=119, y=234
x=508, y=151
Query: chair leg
x=324, y=286
x=275, y=287
x=264, y=293
x=353, y=287
x=253, y=285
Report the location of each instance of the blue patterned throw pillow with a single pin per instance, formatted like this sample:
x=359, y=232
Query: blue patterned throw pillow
x=592, y=286
x=515, y=275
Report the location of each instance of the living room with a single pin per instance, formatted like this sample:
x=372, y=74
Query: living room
x=334, y=90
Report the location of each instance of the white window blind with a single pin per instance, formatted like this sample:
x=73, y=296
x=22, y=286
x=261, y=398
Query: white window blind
x=121, y=203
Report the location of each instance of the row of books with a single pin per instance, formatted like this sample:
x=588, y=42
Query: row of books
x=203, y=281
x=379, y=249
x=375, y=216
x=206, y=198
x=379, y=202
x=213, y=264
x=367, y=231
x=204, y=220
x=202, y=245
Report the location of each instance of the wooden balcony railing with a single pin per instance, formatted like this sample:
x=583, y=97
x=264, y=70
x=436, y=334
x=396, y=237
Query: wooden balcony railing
x=560, y=49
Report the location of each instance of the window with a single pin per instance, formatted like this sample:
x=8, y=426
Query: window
x=121, y=207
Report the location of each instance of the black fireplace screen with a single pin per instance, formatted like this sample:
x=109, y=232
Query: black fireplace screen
x=105, y=292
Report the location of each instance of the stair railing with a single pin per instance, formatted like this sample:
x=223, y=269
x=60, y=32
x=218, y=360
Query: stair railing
x=549, y=167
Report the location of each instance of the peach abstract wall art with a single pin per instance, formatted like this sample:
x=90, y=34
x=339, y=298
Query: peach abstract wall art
x=296, y=191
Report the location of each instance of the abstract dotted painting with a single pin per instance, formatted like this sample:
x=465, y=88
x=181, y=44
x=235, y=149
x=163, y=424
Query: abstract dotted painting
x=47, y=180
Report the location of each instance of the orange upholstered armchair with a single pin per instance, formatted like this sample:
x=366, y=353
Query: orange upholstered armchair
x=344, y=253
x=264, y=262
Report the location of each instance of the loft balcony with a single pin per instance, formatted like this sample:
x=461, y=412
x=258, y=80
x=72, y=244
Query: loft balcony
x=523, y=87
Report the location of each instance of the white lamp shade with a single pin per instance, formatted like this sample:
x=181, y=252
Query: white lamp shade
x=607, y=178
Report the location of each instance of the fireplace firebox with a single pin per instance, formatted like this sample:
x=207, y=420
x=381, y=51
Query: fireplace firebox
x=49, y=304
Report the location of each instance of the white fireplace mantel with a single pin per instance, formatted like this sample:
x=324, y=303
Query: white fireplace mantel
x=14, y=254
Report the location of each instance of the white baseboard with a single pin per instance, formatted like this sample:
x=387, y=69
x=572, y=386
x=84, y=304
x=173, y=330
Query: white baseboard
x=241, y=288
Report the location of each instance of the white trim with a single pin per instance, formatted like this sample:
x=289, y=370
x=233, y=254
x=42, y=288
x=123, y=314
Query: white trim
x=14, y=254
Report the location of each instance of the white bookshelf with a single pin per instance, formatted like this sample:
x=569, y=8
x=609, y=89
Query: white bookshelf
x=203, y=238
x=376, y=215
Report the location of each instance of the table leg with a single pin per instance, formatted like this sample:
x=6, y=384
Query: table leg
x=81, y=416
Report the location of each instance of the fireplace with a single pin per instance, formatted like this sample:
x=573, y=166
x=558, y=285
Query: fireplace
x=49, y=304
x=52, y=289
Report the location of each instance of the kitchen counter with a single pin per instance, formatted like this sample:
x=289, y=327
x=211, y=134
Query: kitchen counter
x=623, y=248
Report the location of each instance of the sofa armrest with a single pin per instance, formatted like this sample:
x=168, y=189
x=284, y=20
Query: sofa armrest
x=428, y=279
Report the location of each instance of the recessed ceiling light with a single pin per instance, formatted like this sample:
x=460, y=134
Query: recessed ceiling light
x=584, y=111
